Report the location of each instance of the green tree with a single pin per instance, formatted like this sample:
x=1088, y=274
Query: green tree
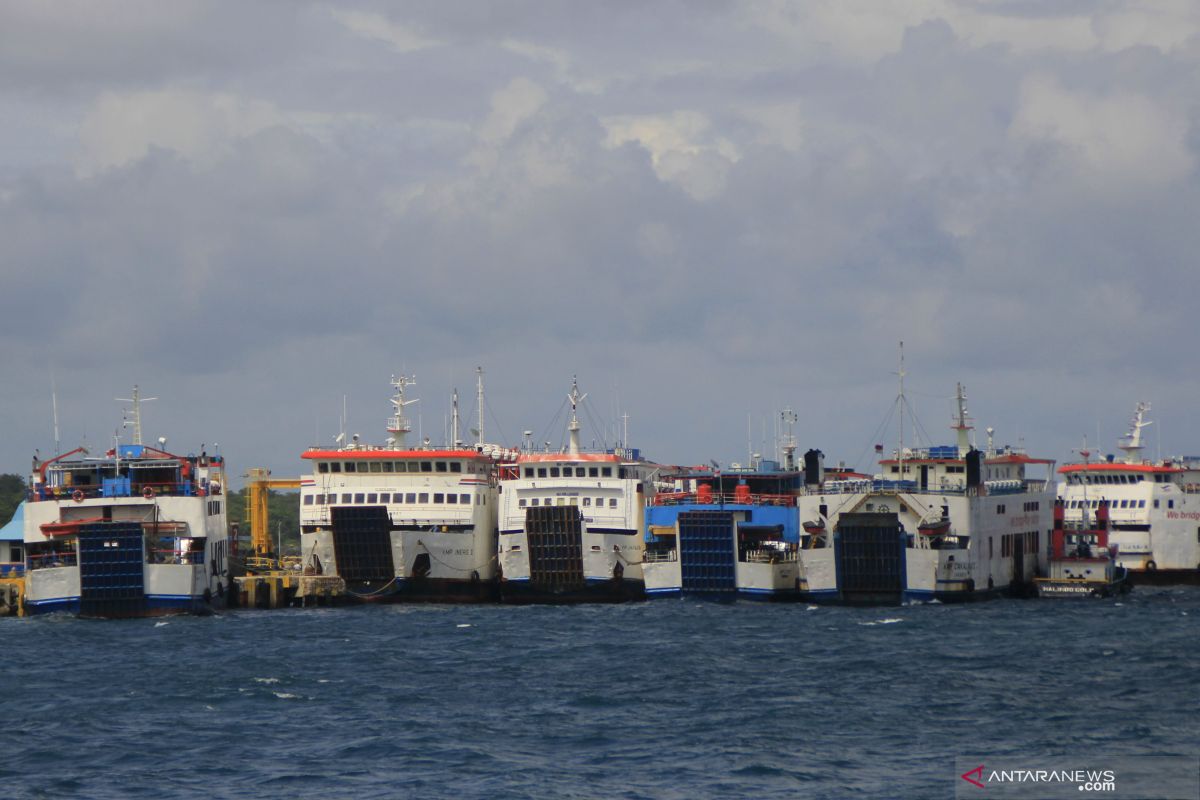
x=12, y=492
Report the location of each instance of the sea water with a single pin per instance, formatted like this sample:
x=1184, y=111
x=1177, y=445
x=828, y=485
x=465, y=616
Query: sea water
x=661, y=699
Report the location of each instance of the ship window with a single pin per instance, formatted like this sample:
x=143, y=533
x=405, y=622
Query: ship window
x=346, y=498
x=521, y=503
x=606, y=472
x=452, y=498
x=593, y=472
x=464, y=498
x=1000, y=508
x=423, y=497
x=426, y=466
x=599, y=502
x=411, y=497
x=359, y=497
x=574, y=501
x=440, y=466
x=1156, y=504
x=322, y=467
x=587, y=501
x=562, y=501
x=335, y=466
x=385, y=466
x=541, y=472
x=1141, y=503
x=1170, y=504
x=375, y=466
x=533, y=502
x=373, y=498
x=456, y=466
x=308, y=500
x=529, y=472
x=385, y=497
x=438, y=497
x=612, y=502
x=554, y=472
x=351, y=466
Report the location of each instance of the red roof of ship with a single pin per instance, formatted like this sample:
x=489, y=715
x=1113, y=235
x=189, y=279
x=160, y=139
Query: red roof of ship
x=1105, y=466
x=391, y=455
x=609, y=457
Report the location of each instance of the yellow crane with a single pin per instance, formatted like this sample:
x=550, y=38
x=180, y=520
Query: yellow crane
x=259, y=483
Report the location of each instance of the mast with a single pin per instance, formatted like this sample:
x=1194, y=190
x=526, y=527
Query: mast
x=1131, y=443
x=962, y=422
x=788, y=418
x=575, y=399
x=398, y=425
x=136, y=420
x=455, y=441
x=900, y=400
x=479, y=399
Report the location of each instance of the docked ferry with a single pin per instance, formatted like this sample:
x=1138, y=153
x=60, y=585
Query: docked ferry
x=402, y=523
x=571, y=523
x=723, y=534
x=1154, y=506
x=945, y=523
x=137, y=531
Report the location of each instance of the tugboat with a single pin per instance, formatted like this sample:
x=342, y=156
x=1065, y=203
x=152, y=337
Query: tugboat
x=1082, y=562
x=571, y=523
x=135, y=532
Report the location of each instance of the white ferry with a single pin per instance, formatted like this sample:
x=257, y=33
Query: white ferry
x=136, y=532
x=400, y=523
x=939, y=523
x=1082, y=561
x=1154, y=506
x=571, y=523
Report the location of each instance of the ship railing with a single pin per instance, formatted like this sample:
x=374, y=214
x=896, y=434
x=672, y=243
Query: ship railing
x=172, y=556
x=723, y=499
x=769, y=555
x=91, y=491
x=14, y=569
x=660, y=556
x=51, y=560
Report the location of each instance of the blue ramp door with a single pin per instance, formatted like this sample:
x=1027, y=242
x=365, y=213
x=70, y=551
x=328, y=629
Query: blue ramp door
x=707, y=553
x=112, y=564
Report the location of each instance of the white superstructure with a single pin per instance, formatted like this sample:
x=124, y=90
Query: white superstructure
x=1154, y=506
x=400, y=522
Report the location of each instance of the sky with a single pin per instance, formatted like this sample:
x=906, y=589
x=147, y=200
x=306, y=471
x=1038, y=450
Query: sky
x=707, y=211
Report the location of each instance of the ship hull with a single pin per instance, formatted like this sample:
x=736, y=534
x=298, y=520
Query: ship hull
x=526, y=592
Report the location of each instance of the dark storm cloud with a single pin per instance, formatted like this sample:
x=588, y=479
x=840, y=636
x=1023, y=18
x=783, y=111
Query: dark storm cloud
x=703, y=210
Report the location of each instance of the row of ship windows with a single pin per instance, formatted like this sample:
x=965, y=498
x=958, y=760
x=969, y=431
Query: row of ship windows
x=375, y=498
x=1114, y=504
x=1121, y=478
x=572, y=472
x=387, y=467
x=565, y=501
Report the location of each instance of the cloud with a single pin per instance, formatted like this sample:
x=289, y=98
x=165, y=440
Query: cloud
x=378, y=27
x=1113, y=140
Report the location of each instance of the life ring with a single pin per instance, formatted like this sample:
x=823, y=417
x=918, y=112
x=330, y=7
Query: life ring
x=148, y=493
x=77, y=495
x=1151, y=566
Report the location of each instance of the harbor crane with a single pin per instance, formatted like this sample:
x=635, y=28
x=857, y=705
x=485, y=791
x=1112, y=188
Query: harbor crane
x=259, y=483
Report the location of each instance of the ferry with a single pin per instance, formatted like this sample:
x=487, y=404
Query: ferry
x=402, y=523
x=571, y=523
x=1082, y=562
x=724, y=534
x=135, y=532
x=1154, y=506
x=945, y=523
